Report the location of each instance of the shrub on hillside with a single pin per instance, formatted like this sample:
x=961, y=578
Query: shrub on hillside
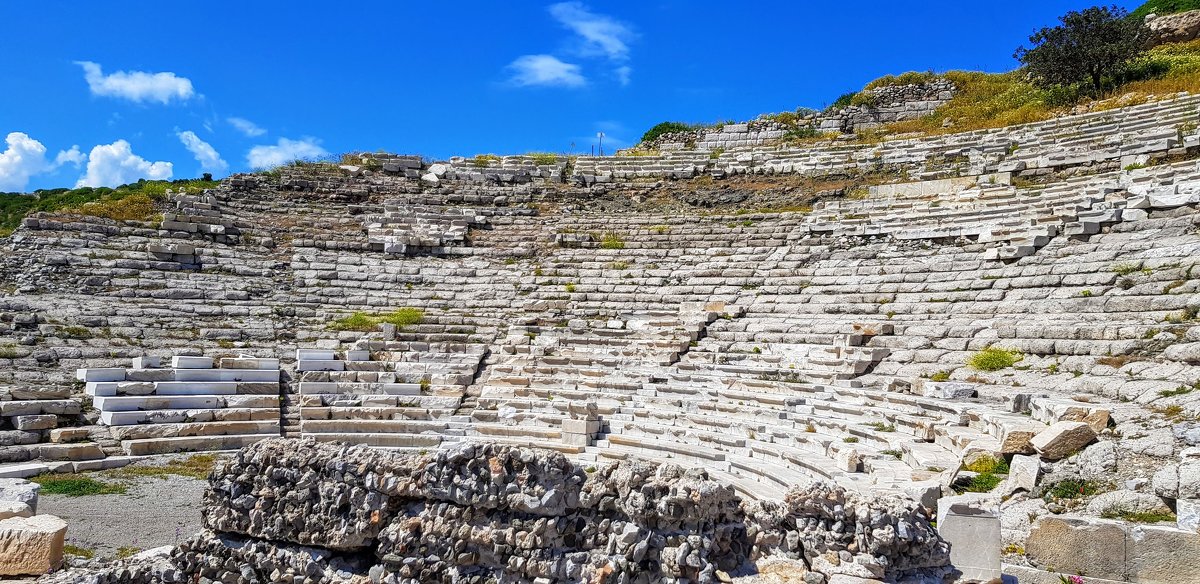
x=1088, y=46
x=908, y=78
x=1161, y=7
x=665, y=128
x=95, y=201
x=843, y=100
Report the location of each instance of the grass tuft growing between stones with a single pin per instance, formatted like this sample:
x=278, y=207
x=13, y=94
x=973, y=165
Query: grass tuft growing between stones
x=197, y=466
x=612, y=240
x=988, y=464
x=994, y=359
x=1073, y=489
x=76, y=485
x=126, y=551
x=1137, y=516
x=79, y=552
x=982, y=483
x=988, y=471
x=363, y=322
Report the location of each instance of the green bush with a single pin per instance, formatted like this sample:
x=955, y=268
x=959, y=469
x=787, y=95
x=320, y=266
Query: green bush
x=1086, y=47
x=909, y=78
x=994, y=359
x=665, y=128
x=843, y=100
x=1161, y=7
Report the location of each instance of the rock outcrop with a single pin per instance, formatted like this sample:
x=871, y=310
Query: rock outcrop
x=1174, y=28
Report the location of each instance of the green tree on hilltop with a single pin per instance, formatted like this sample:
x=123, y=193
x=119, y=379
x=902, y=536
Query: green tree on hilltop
x=1087, y=46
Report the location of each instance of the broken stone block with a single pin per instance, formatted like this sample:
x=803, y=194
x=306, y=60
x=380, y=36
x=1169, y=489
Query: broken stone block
x=20, y=490
x=974, y=536
x=1063, y=439
x=146, y=362
x=1016, y=440
x=848, y=460
x=1023, y=472
x=14, y=509
x=947, y=389
x=1187, y=515
x=31, y=546
x=927, y=493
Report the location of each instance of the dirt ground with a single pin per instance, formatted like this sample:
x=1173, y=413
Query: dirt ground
x=154, y=511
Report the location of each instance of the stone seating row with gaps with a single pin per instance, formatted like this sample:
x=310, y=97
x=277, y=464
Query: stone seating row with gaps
x=189, y=405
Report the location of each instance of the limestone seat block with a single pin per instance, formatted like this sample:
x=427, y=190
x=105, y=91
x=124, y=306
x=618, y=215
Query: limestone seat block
x=31, y=545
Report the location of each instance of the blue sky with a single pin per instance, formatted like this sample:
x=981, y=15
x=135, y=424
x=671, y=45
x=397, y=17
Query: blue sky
x=99, y=93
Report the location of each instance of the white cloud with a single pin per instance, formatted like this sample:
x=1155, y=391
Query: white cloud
x=110, y=165
x=250, y=129
x=283, y=152
x=72, y=156
x=546, y=70
x=137, y=86
x=205, y=154
x=603, y=35
x=623, y=72
x=25, y=157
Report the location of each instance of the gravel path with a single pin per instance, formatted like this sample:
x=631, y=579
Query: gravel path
x=153, y=512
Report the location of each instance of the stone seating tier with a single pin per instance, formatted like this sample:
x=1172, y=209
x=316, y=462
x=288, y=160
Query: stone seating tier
x=188, y=405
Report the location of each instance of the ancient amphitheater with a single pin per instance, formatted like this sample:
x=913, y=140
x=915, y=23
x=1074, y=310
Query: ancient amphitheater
x=993, y=332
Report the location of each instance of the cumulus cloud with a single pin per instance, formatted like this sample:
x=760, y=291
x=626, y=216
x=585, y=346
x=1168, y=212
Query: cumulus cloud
x=205, y=154
x=545, y=70
x=115, y=164
x=602, y=34
x=72, y=156
x=250, y=129
x=24, y=157
x=137, y=86
x=284, y=151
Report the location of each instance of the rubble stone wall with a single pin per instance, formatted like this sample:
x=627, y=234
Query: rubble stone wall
x=302, y=511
